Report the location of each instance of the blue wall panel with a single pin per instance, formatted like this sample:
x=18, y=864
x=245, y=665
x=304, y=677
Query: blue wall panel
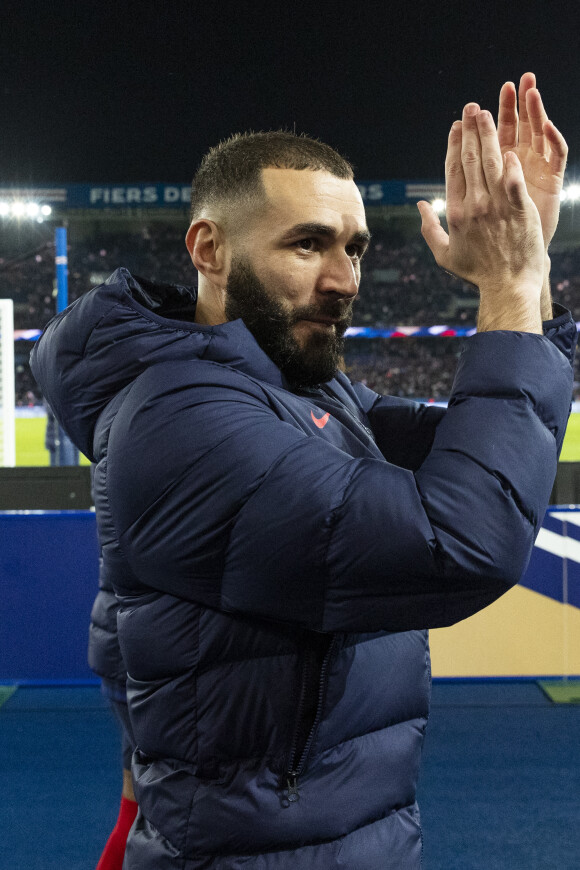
x=544, y=574
x=48, y=580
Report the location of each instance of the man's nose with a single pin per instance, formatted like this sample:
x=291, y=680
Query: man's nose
x=340, y=275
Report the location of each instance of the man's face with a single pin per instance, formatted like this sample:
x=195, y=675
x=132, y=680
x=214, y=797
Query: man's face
x=295, y=274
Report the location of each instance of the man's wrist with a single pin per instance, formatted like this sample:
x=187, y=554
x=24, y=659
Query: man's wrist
x=546, y=295
x=517, y=311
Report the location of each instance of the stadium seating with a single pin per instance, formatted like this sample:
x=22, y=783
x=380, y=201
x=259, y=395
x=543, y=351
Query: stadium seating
x=402, y=285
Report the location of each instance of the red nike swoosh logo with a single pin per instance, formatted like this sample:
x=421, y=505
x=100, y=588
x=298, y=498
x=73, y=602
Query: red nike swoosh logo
x=321, y=423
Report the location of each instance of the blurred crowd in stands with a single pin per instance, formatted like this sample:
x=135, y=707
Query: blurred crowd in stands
x=402, y=285
x=420, y=368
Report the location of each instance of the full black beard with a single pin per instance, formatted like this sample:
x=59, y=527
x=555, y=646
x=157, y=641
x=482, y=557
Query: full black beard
x=315, y=363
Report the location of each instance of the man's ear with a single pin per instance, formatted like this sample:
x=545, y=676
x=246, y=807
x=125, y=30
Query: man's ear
x=205, y=241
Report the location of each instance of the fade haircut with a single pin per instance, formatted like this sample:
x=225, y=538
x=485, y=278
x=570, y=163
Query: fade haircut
x=231, y=172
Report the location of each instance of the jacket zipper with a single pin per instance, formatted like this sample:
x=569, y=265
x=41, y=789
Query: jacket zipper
x=298, y=757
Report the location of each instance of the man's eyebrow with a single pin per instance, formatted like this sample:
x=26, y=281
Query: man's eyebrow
x=362, y=237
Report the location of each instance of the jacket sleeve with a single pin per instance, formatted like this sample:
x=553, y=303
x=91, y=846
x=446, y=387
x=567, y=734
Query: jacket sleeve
x=240, y=511
x=404, y=430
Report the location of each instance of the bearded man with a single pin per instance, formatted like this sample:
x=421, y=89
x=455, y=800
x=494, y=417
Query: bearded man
x=279, y=539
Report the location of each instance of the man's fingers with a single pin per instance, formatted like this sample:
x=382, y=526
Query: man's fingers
x=527, y=81
x=454, y=177
x=507, y=117
x=537, y=118
x=471, y=153
x=433, y=232
x=558, y=148
x=515, y=183
x=491, y=159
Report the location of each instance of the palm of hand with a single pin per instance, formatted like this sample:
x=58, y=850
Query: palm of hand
x=543, y=185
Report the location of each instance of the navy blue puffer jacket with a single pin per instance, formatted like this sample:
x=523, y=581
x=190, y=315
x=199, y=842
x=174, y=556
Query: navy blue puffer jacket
x=277, y=558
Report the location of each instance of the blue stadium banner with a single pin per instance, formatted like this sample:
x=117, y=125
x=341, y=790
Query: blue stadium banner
x=123, y=195
x=399, y=192
x=149, y=195
x=103, y=196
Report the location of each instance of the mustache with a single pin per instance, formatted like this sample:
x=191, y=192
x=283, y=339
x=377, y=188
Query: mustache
x=338, y=309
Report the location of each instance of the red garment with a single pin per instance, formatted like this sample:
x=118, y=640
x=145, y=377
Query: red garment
x=114, y=851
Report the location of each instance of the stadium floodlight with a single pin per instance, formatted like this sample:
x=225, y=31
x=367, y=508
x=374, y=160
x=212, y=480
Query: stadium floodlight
x=573, y=192
x=438, y=206
x=25, y=209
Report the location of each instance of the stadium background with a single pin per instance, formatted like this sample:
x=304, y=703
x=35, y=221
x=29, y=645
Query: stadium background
x=141, y=91
x=408, y=327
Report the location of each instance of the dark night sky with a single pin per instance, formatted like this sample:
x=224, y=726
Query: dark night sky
x=88, y=93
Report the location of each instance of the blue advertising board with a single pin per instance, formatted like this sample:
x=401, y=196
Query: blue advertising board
x=165, y=195
x=49, y=566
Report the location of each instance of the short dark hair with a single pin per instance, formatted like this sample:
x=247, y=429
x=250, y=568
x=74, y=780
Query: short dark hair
x=232, y=169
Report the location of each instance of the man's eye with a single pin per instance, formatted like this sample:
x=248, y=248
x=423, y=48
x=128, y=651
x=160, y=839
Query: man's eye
x=355, y=251
x=306, y=244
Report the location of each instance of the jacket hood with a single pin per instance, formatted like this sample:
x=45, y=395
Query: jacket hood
x=103, y=341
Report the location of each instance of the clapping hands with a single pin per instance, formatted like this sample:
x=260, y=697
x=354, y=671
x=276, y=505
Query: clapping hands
x=503, y=198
